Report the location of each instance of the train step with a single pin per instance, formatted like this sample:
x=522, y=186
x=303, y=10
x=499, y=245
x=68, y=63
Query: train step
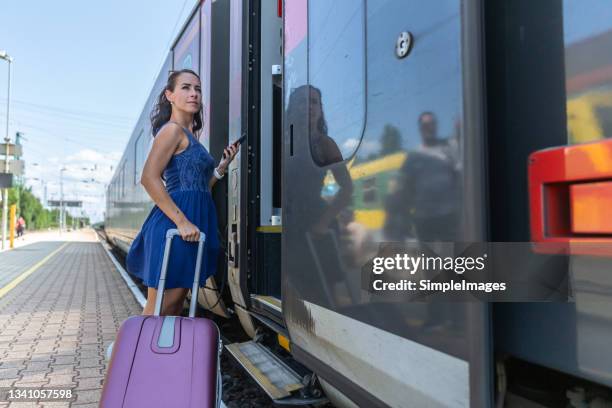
x=269, y=304
x=278, y=380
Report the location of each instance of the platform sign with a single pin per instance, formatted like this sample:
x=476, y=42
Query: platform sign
x=6, y=180
x=14, y=150
x=57, y=203
x=16, y=167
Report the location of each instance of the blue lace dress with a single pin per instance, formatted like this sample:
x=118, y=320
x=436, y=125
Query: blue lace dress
x=186, y=175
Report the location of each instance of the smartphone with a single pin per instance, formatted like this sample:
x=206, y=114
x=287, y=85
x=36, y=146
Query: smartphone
x=239, y=141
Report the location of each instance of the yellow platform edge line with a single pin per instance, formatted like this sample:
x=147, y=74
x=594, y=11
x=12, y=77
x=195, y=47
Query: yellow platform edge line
x=11, y=285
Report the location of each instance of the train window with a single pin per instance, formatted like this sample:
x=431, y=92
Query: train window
x=122, y=180
x=187, y=50
x=587, y=31
x=139, y=151
x=336, y=70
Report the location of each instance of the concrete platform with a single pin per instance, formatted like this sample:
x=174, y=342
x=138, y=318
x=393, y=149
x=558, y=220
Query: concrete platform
x=61, y=304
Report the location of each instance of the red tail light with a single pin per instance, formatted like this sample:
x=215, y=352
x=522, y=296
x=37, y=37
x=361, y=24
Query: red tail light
x=570, y=198
x=591, y=208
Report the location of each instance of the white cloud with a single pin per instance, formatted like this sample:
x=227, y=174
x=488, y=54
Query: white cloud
x=349, y=145
x=87, y=172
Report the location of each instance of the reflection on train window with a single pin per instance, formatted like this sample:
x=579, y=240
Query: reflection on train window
x=187, y=62
x=587, y=31
x=604, y=115
x=336, y=69
x=369, y=190
x=428, y=80
x=414, y=121
x=187, y=49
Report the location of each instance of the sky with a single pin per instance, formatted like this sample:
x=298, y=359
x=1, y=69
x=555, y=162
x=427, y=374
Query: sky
x=585, y=18
x=81, y=74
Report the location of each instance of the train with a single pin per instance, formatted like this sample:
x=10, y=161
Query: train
x=380, y=121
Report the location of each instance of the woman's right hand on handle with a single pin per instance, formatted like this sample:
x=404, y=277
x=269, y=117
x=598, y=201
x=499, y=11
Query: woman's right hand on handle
x=188, y=231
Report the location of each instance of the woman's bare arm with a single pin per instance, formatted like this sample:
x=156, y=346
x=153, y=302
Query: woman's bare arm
x=165, y=144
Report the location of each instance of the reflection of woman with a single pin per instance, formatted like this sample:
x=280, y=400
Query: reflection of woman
x=185, y=202
x=306, y=107
x=314, y=237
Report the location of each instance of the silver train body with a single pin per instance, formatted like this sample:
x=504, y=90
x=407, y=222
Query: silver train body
x=335, y=97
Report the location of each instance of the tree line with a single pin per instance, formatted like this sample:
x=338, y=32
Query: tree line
x=35, y=215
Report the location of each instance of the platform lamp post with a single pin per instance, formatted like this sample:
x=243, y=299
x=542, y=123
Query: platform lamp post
x=62, y=170
x=43, y=184
x=7, y=139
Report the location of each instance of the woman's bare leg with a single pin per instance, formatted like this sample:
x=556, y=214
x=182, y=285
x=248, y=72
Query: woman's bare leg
x=173, y=301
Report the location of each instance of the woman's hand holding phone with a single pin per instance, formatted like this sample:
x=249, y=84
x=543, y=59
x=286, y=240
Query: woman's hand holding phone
x=229, y=153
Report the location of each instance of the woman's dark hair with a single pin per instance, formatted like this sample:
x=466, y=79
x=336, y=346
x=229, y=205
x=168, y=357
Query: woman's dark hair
x=162, y=110
x=323, y=148
x=299, y=103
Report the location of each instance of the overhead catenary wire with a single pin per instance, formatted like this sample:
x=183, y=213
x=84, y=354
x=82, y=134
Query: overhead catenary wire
x=50, y=118
x=90, y=142
x=67, y=111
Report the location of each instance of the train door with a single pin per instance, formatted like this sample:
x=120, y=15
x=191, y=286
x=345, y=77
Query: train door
x=254, y=178
x=368, y=86
x=265, y=280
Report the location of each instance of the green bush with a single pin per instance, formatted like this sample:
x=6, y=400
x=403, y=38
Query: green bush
x=31, y=209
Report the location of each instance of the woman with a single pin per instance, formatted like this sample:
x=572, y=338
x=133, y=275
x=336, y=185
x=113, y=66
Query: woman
x=185, y=201
x=20, y=226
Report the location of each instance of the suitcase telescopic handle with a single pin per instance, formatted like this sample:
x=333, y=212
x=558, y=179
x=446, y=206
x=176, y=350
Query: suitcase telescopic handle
x=171, y=233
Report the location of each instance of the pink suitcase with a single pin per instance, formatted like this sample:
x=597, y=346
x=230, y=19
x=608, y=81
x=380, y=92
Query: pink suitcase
x=165, y=361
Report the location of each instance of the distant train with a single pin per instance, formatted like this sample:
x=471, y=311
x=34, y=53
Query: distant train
x=380, y=121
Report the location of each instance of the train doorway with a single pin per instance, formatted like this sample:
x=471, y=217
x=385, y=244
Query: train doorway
x=254, y=200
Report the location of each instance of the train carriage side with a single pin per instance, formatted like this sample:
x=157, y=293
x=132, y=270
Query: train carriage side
x=338, y=100
x=350, y=103
x=558, y=94
x=319, y=190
